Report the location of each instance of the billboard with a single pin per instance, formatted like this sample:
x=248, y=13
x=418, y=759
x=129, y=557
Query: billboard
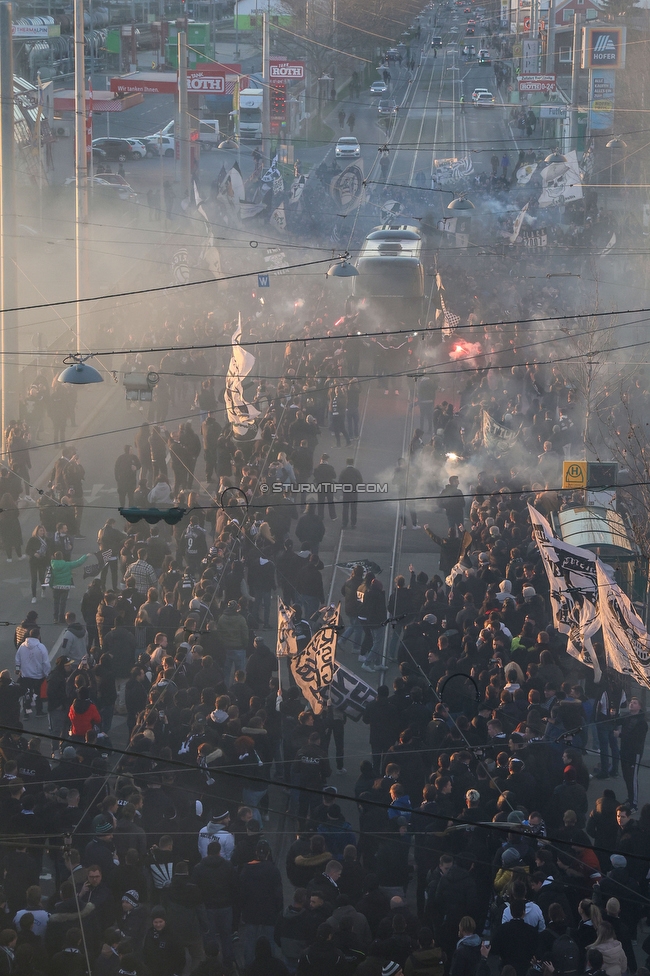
x=603, y=47
x=35, y=31
x=206, y=80
x=552, y=111
x=537, y=83
x=602, y=85
x=287, y=70
x=530, y=58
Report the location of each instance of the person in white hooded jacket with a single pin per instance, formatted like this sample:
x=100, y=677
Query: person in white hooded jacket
x=33, y=663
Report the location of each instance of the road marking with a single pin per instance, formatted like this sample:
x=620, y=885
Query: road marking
x=90, y=494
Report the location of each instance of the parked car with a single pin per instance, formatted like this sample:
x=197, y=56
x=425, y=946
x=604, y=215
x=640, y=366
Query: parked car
x=107, y=185
x=347, y=148
x=118, y=149
x=138, y=148
x=160, y=145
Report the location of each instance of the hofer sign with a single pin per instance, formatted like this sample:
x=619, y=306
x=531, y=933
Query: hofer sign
x=537, y=83
x=287, y=70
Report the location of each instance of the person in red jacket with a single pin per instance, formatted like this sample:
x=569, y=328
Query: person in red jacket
x=83, y=714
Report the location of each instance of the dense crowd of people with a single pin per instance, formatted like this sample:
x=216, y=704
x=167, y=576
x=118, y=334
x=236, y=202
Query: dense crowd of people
x=469, y=835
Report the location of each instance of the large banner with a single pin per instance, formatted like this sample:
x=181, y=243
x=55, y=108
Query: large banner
x=561, y=182
x=571, y=575
x=347, y=189
x=313, y=668
x=287, y=645
x=451, y=170
x=626, y=640
x=497, y=439
x=242, y=415
x=350, y=693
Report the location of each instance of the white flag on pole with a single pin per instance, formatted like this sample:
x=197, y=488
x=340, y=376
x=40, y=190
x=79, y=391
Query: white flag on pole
x=287, y=645
x=241, y=414
x=571, y=575
x=626, y=640
x=313, y=668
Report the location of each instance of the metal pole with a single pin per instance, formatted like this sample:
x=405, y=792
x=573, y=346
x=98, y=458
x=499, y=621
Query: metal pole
x=81, y=159
x=8, y=244
x=236, y=30
x=184, y=118
x=266, y=99
x=575, y=69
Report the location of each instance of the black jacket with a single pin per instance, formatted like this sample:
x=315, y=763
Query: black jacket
x=217, y=881
x=163, y=953
x=455, y=894
x=261, y=893
x=516, y=944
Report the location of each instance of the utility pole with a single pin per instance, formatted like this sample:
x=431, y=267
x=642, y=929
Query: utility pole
x=8, y=242
x=575, y=74
x=183, y=114
x=81, y=162
x=266, y=99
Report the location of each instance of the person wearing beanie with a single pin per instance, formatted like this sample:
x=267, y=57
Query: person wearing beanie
x=162, y=951
x=134, y=921
x=510, y=859
x=100, y=851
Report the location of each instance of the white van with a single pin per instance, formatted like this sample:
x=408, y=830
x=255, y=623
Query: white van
x=209, y=137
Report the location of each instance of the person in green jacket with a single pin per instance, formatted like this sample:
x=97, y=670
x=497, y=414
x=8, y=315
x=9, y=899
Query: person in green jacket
x=61, y=582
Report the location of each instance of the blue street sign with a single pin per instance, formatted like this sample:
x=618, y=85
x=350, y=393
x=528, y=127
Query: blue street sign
x=263, y=281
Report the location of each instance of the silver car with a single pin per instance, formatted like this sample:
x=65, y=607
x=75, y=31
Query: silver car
x=347, y=148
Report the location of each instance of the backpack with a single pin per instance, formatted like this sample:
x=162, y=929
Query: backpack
x=565, y=955
x=427, y=962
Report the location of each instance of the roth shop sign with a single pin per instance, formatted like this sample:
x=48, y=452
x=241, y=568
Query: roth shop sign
x=205, y=80
x=287, y=70
x=537, y=83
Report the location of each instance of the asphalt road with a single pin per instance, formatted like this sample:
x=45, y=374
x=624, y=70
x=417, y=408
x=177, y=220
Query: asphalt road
x=429, y=125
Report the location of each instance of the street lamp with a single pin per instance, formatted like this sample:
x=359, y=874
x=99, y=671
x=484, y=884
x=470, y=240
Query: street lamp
x=555, y=157
x=78, y=372
x=460, y=205
x=615, y=143
x=342, y=269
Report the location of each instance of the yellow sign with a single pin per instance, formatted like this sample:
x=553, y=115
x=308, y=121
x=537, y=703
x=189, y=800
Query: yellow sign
x=517, y=50
x=574, y=474
x=602, y=105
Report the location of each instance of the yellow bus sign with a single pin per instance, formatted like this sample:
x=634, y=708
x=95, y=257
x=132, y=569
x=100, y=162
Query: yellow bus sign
x=574, y=474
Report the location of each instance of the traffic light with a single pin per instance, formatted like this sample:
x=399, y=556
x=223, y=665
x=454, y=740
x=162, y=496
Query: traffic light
x=171, y=516
x=278, y=101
